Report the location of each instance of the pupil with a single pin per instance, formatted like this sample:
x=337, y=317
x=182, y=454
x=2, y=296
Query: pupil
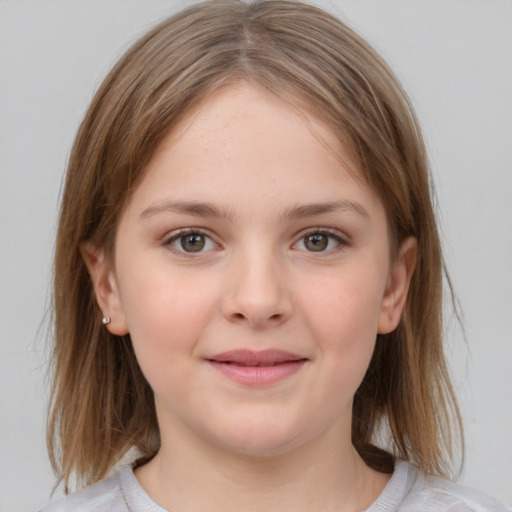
x=192, y=243
x=316, y=243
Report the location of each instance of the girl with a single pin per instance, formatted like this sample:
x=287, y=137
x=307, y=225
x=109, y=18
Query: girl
x=248, y=279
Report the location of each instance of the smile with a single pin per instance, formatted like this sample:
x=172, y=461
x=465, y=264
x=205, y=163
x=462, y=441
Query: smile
x=261, y=368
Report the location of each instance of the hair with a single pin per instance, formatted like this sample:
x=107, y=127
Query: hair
x=101, y=405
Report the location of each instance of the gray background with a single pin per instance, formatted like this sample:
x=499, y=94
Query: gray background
x=454, y=58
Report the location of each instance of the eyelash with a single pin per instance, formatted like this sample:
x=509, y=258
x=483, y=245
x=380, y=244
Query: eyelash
x=341, y=241
x=176, y=235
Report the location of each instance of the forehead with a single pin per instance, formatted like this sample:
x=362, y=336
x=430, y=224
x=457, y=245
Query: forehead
x=243, y=142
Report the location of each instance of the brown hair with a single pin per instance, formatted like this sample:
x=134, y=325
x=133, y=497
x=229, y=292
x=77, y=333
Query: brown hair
x=101, y=404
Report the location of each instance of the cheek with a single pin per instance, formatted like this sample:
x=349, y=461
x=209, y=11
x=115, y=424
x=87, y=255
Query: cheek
x=166, y=315
x=346, y=304
x=343, y=316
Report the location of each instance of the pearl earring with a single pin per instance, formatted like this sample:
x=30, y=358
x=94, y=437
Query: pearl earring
x=106, y=320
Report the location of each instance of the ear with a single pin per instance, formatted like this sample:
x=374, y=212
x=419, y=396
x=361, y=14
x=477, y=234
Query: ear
x=105, y=287
x=397, y=286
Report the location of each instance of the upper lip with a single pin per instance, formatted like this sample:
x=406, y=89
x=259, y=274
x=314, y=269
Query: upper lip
x=253, y=358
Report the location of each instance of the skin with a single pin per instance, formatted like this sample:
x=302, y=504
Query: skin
x=257, y=284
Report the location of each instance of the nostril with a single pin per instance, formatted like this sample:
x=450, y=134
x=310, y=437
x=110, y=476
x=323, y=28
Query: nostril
x=273, y=318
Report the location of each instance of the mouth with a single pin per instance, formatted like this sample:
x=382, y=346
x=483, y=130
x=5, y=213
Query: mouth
x=259, y=368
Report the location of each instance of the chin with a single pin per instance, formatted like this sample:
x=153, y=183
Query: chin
x=260, y=439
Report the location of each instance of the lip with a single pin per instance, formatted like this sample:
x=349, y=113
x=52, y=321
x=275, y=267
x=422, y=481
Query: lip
x=257, y=368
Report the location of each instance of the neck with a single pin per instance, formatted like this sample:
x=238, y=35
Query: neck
x=322, y=475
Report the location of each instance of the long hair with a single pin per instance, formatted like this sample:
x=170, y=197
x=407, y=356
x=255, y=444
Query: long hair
x=101, y=405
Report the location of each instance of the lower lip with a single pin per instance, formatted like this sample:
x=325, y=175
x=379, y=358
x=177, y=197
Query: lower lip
x=258, y=375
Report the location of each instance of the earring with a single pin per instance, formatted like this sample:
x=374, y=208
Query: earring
x=105, y=320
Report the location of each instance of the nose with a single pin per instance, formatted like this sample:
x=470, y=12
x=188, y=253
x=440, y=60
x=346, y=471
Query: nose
x=257, y=292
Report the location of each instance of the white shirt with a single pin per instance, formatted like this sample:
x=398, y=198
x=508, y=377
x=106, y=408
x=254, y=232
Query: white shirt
x=409, y=490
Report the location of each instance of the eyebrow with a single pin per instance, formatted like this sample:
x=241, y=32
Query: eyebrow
x=310, y=210
x=196, y=208
x=205, y=209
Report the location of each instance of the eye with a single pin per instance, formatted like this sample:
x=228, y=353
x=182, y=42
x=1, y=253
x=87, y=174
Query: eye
x=190, y=242
x=320, y=241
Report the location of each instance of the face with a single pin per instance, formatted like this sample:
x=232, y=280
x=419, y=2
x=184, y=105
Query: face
x=253, y=273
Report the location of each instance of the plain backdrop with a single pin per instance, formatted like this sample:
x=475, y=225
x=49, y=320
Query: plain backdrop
x=454, y=58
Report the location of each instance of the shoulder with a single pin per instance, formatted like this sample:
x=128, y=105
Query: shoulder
x=102, y=496
x=433, y=494
x=119, y=493
x=438, y=494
